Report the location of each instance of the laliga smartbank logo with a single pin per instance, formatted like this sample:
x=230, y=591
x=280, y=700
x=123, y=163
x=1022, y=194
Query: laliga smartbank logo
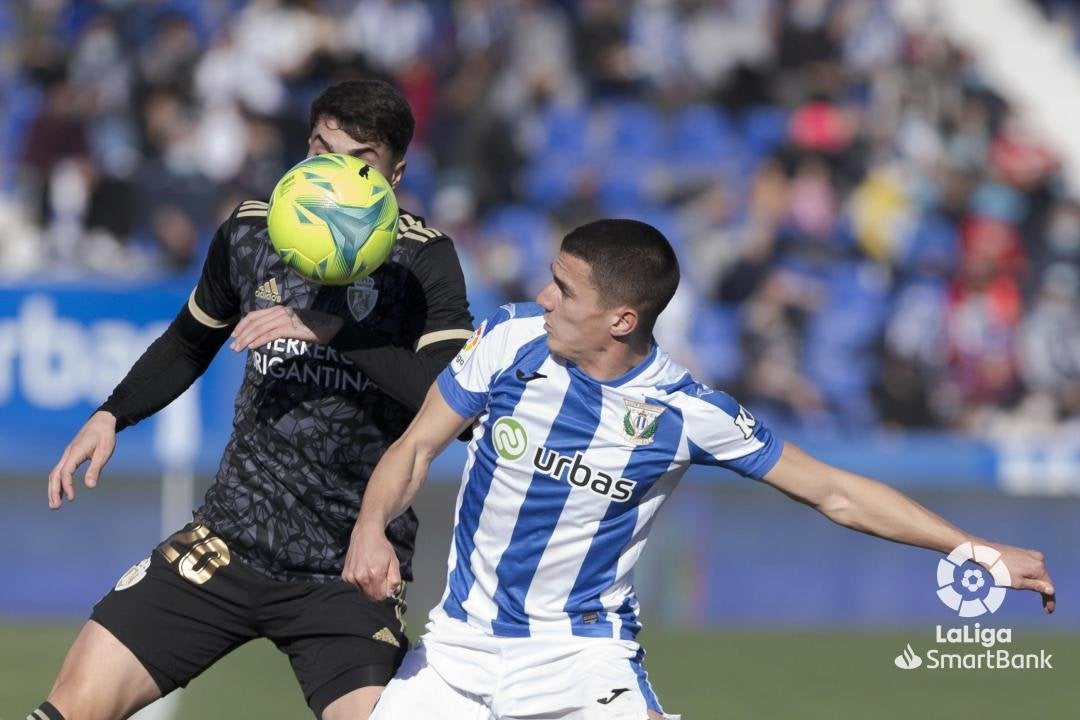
x=966, y=586
x=908, y=660
x=972, y=581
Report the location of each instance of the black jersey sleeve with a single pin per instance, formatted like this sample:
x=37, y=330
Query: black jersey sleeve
x=183, y=352
x=215, y=302
x=168, y=367
x=440, y=310
x=439, y=321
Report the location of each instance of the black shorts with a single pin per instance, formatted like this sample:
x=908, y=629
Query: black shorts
x=191, y=603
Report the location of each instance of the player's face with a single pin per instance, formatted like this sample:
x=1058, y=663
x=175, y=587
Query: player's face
x=328, y=137
x=576, y=322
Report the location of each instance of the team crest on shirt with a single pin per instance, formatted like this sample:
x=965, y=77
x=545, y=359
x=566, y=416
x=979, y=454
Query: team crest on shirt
x=362, y=297
x=641, y=421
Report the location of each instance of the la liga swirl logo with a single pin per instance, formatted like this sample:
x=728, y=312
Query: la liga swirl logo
x=972, y=580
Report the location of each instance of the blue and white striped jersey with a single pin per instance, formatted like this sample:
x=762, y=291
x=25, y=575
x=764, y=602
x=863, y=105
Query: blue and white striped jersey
x=565, y=475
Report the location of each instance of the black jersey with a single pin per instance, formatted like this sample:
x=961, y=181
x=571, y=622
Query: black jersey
x=309, y=424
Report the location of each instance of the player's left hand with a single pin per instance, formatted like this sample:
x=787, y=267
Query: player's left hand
x=263, y=326
x=1027, y=569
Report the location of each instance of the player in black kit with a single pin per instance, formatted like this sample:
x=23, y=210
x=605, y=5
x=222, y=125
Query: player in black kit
x=263, y=555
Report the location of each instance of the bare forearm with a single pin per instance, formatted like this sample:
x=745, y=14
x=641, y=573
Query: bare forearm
x=393, y=485
x=371, y=563
x=860, y=503
x=877, y=509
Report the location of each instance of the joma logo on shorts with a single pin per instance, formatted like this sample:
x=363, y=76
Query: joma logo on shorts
x=581, y=475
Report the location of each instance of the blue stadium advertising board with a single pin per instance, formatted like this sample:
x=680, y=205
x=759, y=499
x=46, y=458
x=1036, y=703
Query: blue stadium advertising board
x=62, y=350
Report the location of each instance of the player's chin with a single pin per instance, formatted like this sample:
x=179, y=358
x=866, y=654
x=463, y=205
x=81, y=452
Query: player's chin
x=553, y=345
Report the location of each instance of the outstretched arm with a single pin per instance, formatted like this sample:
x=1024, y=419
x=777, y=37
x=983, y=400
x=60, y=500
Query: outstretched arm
x=874, y=508
x=371, y=563
x=168, y=367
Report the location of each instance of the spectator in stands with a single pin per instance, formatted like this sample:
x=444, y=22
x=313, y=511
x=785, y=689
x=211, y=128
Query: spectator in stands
x=823, y=133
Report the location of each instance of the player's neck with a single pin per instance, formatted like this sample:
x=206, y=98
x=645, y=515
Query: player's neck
x=614, y=359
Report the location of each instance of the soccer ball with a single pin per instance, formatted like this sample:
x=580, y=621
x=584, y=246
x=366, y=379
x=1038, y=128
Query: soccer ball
x=333, y=218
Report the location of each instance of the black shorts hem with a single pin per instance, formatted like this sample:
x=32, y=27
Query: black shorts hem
x=165, y=683
x=352, y=679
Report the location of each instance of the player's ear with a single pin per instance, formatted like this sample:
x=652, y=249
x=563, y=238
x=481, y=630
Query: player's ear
x=625, y=321
x=398, y=173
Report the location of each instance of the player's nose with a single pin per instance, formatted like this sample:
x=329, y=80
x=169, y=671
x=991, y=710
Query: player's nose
x=543, y=298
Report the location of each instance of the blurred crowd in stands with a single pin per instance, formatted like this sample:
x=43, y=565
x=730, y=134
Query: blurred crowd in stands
x=869, y=235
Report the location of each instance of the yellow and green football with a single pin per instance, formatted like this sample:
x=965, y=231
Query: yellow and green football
x=333, y=218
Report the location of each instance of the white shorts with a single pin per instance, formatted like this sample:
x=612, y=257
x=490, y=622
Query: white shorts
x=457, y=672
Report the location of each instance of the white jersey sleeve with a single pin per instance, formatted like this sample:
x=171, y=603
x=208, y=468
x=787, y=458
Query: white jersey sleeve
x=467, y=380
x=722, y=432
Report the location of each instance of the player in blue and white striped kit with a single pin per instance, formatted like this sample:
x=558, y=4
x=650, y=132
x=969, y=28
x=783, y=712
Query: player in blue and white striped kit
x=582, y=427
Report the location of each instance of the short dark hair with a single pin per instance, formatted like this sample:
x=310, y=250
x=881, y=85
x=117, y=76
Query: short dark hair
x=369, y=111
x=630, y=262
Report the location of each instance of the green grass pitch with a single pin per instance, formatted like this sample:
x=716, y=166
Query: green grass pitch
x=703, y=675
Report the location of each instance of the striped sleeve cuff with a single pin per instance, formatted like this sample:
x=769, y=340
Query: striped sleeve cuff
x=439, y=336
x=465, y=403
x=757, y=464
x=202, y=316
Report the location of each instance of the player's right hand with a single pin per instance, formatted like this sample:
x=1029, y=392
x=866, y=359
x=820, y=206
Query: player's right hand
x=371, y=564
x=94, y=442
x=1027, y=571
